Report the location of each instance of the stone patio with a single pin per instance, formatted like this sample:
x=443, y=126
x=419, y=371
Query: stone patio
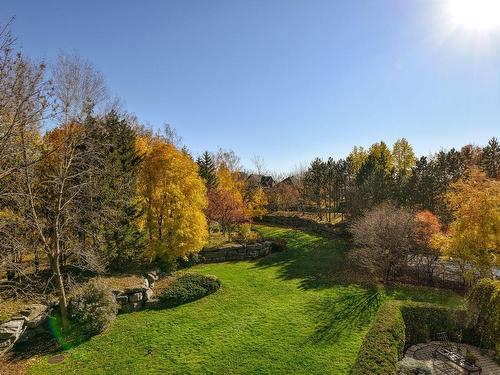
x=441, y=366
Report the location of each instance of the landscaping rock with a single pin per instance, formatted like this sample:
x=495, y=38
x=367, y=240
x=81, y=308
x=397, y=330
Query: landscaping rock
x=135, y=289
x=147, y=295
x=35, y=314
x=122, y=299
x=136, y=297
x=12, y=329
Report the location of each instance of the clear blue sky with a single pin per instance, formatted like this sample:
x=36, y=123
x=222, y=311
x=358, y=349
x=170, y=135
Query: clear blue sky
x=287, y=80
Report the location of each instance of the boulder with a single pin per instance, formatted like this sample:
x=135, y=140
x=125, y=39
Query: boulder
x=136, y=289
x=12, y=329
x=147, y=295
x=152, y=277
x=35, y=314
x=122, y=299
x=136, y=297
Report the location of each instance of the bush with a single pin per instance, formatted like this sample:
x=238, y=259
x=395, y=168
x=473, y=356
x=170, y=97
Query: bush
x=410, y=366
x=483, y=313
x=384, y=343
x=188, y=287
x=246, y=234
x=92, y=308
x=423, y=321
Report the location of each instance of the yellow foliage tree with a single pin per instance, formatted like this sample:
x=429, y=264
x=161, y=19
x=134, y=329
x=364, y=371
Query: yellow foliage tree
x=173, y=198
x=258, y=203
x=473, y=238
x=230, y=182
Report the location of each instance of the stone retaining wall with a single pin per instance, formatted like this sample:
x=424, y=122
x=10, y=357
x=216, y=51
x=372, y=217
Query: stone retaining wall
x=236, y=252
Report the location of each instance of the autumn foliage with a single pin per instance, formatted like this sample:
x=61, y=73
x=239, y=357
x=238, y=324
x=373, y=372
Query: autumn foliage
x=173, y=198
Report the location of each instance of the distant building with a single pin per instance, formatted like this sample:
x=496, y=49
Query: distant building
x=257, y=180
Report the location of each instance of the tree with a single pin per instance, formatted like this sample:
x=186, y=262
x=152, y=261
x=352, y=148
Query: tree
x=473, y=237
x=107, y=208
x=257, y=203
x=313, y=184
x=53, y=190
x=78, y=87
x=24, y=103
x=383, y=238
x=225, y=209
x=207, y=170
x=173, y=199
x=426, y=254
x=490, y=158
x=228, y=159
x=357, y=158
x=403, y=158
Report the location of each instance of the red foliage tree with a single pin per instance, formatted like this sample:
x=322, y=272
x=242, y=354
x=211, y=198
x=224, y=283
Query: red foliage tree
x=225, y=209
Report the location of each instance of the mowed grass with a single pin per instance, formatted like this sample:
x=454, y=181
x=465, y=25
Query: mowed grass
x=287, y=313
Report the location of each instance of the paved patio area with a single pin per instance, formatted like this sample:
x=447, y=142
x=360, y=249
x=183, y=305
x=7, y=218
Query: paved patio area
x=441, y=366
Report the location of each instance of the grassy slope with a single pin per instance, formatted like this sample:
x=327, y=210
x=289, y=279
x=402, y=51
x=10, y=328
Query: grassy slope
x=286, y=313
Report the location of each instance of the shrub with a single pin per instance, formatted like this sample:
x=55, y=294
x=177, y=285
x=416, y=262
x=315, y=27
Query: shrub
x=410, y=366
x=423, y=321
x=92, y=307
x=188, y=287
x=384, y=343
x=246, y=234
x=483, y=312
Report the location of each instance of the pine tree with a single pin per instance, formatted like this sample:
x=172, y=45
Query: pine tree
x=207, y=170
x=490, y=159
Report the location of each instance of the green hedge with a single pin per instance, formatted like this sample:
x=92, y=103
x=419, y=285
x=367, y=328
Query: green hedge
x=384, y=343
x=188, y=287
x=483, y=308
x=424, y=320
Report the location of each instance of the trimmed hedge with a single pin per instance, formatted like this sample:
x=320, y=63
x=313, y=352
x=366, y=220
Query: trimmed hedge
x=483, y=308
x=398, y=325
x=187, y=288
x=384, y=343
x=424, y=320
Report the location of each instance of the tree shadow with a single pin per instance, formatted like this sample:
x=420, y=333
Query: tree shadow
x=316, y=261
x=352, y=309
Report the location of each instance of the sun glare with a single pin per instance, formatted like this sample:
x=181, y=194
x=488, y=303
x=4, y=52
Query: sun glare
x=480, y=15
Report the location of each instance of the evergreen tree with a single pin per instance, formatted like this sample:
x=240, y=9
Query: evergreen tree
x=207, y=170
x=490, y=158
x=107, y=206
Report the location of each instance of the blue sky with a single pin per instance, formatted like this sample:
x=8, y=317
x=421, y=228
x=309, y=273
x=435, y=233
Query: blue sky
x=286, y=80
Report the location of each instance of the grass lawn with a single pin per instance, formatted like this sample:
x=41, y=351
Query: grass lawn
x=287, y=313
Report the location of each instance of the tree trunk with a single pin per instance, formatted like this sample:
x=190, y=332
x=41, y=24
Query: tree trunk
x=61, y=293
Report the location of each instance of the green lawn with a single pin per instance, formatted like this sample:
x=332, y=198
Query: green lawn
x=287, y=313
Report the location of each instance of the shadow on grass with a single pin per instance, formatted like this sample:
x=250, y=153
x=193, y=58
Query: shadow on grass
x=352, y=309
x=315, y=260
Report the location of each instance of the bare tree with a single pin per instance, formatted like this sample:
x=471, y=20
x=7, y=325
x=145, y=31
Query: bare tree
x=229, y=159
x=25, y=102
x=79, y=88
x=383, y=239
x=259, y=164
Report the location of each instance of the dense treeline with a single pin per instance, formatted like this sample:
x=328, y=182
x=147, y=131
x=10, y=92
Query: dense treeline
x=367, y=178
